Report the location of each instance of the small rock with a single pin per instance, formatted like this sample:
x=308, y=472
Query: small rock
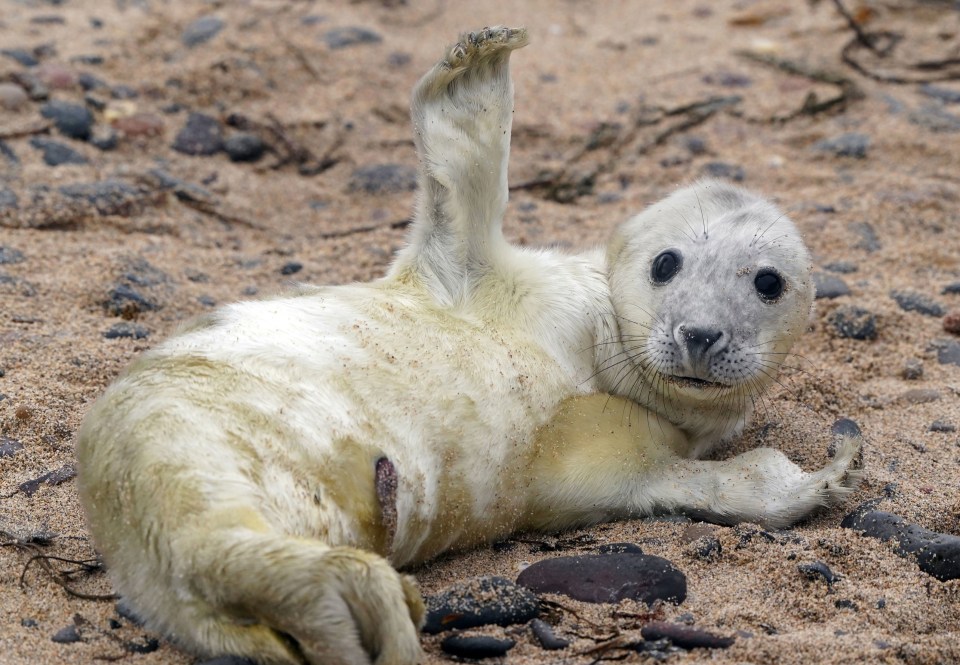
x=942, y=426
x=844, y=267
x=607, y=578
x=476, y=647
x=383, y=179
x=342, y=37
x=201, y=30
x=920, y=396
x=828, y=286
x=845, y=427
x=951, y=289
x=695, y=145
x=71, y=120
x=90, y=82
x=869, y=241
x=148, y=645
x=126, y=330
x=138, y=124
x=854, y=323
x=36, y=89
x=546, y=637
x=937, y=554
x=619, y=548
x=8, y=154
x=723, y=170
x=8, y=200
x=56, y=76
x=109, y=197
x=845, y=604
x=910, y=301
x=945, y=95
x=207, y=301
x=20, y=56
x=936, y=119
x=12, y=97
x=104, y=138
x=818, y=570
x=61, y=475
x=948, y=353
x=9, y=447
x=846, y=145
x=479, y=602
x=127, y=302
x=951, y=322
x=244, y=147
x=683, y=636
x=67, y=635
x=123, y=92
x=291, y=268
x=912, y=369
x=56, y=153
x=9, y=256
x=201, y=135
x=29, y=623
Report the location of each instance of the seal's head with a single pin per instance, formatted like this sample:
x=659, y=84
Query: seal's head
x=711, y=287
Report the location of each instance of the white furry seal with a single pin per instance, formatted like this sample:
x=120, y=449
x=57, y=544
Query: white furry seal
x=245, y=479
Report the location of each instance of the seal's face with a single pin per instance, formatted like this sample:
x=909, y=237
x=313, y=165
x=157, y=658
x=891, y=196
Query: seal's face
x=711, y=286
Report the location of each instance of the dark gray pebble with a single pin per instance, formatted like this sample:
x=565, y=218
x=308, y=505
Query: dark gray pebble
x=207, y=301
x=36, y=89
x=90, y=82
x=20, y=56
x=683, y=636
x=948, y=352
x=148, y=645
x=351, y=36
x=479, y=602
x=946, y=95
x=67, y=635
x=201, y=135
x=619, y=548
x=953, y=289
x=201, y=30
x=942, y=426
x=607, y=578
x=845, y=427
x=61, y=475
x=383, y=179
x=109, y=197
x=124, y=92
x=8, y=154
x=29, y=623
x=124, y=611
x=546, y=637
x=910, y=301
x=56, y=153
x=104, y=138
x=723, y=170
x=291, y=268
x=845, y=604
x=71, y=120
x=818, y=570
x=244, y=147
x=8, y=201
x=846, y=145
x=844, y=267
x=937, y=554
x=912, y=369
x=95, y=102
x=868, y=239
x=854, y=322
x=935, y=119
x=695, y=145
x=126, y=330
x=828, y=286
x=9, y=447
x=476, y=647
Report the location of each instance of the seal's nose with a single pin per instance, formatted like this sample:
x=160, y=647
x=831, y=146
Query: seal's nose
x=699, y=340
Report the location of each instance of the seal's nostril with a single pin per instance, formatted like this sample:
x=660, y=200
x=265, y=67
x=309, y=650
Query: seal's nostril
x=699, y=340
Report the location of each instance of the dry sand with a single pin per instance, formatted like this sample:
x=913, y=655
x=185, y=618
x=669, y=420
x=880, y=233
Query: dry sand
x=615, y=74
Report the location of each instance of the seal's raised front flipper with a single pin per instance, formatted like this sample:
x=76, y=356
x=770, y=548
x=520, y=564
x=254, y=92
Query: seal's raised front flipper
x=462, y=112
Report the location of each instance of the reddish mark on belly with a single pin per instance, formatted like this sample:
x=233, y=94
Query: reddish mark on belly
x=386, y=484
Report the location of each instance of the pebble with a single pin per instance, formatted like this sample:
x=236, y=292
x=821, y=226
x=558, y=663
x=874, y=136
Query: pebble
x=56, y=153
x=818, y=570
x=844, y=267
x=949, y=289
x=828, y=286
x=607, y=578
x=61, y=475
x=201, y=30
x=845, y=145
x=942, y=426
x=8, y=154
x=104, y=138
x=8, y=200
x=476, y=647
x=56, y=76
x=951, y=322
x=123, y=92
x=701, y=540
x=910, y=301
x=201, y=135
x=683, y=636
x=244, y=147
x=9, y=447
x=383, y=179
x=291, y=268
x=935, y=119
x=845, y=427
x=480, y=601
x=29, y=623
x=723, y=170
x=67, y=635
x=912, y=370
x=71, y=120
x=869, y=241
x=127, y=302
x=351, y=36
x=12, y=97
x=125, y=330
x=109, y=197
x=854, y=323
x=546, y=637
x=948, y=353
x=845, y=604
x=138, y=124
x=90, y=82
x=20, y=56
x=36, y=89
x=946, y=95
x=937, y=554
x=920, y=396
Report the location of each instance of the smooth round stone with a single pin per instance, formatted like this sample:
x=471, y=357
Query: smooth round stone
x=201, y=135
x=476, y=647
x=56, y=76
x=607, y=578
x=201, y=30
x=12, y=97
x=481, y=601
x=71, y=120
x=244, y=147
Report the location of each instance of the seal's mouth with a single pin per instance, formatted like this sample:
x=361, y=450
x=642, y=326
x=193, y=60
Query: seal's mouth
x=693, y=382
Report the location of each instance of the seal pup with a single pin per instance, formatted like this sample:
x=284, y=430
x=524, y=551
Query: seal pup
x=253, y=482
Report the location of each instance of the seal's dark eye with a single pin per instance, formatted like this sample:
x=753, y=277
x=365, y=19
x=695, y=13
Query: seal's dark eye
x=665, y=266
x=769, y=284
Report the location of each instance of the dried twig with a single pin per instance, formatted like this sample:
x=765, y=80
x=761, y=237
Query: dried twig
x=60, y=576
